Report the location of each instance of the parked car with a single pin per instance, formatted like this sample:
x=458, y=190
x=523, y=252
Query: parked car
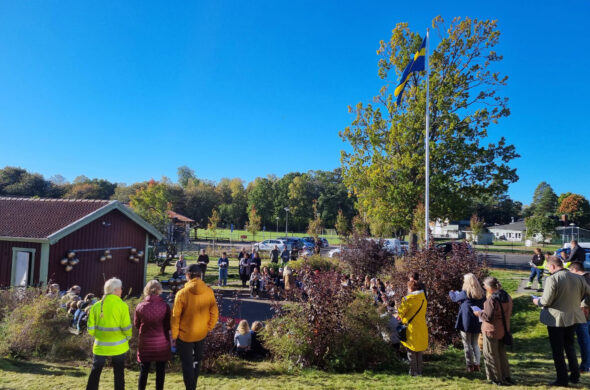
x=292, y=242
x=325, y=243
x=268, y=245
x=393, y=245
x=307, y=244
x=334, y=253
x=447, y=247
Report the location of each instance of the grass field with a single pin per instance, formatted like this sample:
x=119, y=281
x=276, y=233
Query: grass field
x=530, y=361
x=260, y=236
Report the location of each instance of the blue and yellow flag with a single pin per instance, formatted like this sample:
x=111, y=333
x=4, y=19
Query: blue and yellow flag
x=415, y=65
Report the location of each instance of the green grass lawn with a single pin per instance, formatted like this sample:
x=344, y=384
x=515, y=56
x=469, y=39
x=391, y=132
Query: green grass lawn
x=530, y=361
x=236, y=235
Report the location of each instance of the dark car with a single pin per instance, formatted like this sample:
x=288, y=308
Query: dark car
x=447, y=247
x=292, y=242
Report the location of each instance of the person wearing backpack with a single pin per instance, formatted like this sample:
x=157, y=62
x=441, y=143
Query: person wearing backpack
x=495, y=328
x=412, y=313
x=467, y=323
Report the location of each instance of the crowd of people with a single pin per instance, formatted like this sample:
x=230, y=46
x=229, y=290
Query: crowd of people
x=483, y=320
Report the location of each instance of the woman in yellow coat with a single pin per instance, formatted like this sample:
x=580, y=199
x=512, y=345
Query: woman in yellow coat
x=412, y=312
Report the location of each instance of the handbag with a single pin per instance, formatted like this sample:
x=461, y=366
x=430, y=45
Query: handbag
x=402, y=329
x=507, y=339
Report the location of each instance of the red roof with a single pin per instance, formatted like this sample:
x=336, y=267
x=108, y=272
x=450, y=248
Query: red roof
x=39, y=218
x=180, y=217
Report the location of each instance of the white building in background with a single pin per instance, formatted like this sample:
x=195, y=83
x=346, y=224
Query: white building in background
x=446, y=229
x=514, y=231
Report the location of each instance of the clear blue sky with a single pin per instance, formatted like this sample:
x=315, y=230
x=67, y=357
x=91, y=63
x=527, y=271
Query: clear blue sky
x=128, y=90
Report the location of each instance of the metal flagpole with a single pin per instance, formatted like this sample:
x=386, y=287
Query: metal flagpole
x=427, y=146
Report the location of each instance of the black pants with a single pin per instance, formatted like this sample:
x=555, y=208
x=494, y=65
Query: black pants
x=144, y=370
x=191, y=357
x=562, y=338
x=98, y=363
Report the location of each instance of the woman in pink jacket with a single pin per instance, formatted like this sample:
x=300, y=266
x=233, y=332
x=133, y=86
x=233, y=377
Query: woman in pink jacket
x=152, y=318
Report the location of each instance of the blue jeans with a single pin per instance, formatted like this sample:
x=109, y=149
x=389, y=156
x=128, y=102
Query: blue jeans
x=536, y=272
x=223, y=276
x=583, y=334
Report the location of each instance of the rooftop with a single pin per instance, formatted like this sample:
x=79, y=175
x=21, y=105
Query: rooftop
x=518, y=225
x=39, y=218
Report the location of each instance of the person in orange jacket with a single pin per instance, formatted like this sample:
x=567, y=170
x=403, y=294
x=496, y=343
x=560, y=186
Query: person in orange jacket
x=195, y=313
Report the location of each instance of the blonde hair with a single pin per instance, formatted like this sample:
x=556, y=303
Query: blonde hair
x=257, y=326
x=111, y=285
x=243, y=327
x=153, y=287
x=472, y=286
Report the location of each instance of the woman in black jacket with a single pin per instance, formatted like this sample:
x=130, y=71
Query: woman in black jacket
x=472, y=294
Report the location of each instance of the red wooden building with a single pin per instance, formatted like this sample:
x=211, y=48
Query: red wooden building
x=72, y=242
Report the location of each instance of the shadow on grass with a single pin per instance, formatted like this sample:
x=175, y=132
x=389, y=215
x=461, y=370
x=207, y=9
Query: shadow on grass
x=34, y=368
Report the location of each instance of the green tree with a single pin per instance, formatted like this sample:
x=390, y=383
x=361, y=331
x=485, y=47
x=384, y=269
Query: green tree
x=200, y=198
x=185, y=175
x=540, y=224
x=315, y=225
x=18, y=182
x=91, y=189
x=253, y=223
x=385, y=168
x=213, y=223
x=301, y=196
x=496, y=209
x=261, y=196
x=342, y=226
x=477, y=226
x=544, y=200
x=151, y=203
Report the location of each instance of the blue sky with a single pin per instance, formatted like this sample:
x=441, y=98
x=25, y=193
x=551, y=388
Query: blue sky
x=129, y=90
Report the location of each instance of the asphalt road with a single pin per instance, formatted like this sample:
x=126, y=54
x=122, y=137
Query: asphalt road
x=506, y=260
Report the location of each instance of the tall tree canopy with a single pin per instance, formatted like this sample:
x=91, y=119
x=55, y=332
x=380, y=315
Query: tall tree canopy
x=385, y=167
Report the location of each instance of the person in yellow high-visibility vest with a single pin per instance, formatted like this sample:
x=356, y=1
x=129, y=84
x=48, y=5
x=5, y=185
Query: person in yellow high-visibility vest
x=110, y=324
x=537, y=264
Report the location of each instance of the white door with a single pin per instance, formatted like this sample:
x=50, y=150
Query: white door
x=22, y=269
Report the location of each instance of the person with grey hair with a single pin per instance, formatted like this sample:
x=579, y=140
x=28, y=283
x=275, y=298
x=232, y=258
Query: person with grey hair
x=110, y=325
x=152, y=319
x=561, y=312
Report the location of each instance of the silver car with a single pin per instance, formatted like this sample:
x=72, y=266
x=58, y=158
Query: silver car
x=268, y=245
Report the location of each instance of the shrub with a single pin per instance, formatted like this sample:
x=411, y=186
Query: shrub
x=365, y=256
x=332, y=328
x=440, y=273
x=315, y=263
x=37, y=327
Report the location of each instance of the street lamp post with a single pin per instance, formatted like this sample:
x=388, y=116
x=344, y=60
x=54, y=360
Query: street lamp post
x=287, y=222
x=277, y=224
x=572, y=230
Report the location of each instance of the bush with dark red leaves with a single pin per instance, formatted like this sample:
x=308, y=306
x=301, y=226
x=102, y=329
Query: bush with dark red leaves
x=366, y=256
x=330, y=327
x=440, y=272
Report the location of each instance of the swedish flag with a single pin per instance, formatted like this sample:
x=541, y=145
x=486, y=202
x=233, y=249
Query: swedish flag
x=415, y=65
